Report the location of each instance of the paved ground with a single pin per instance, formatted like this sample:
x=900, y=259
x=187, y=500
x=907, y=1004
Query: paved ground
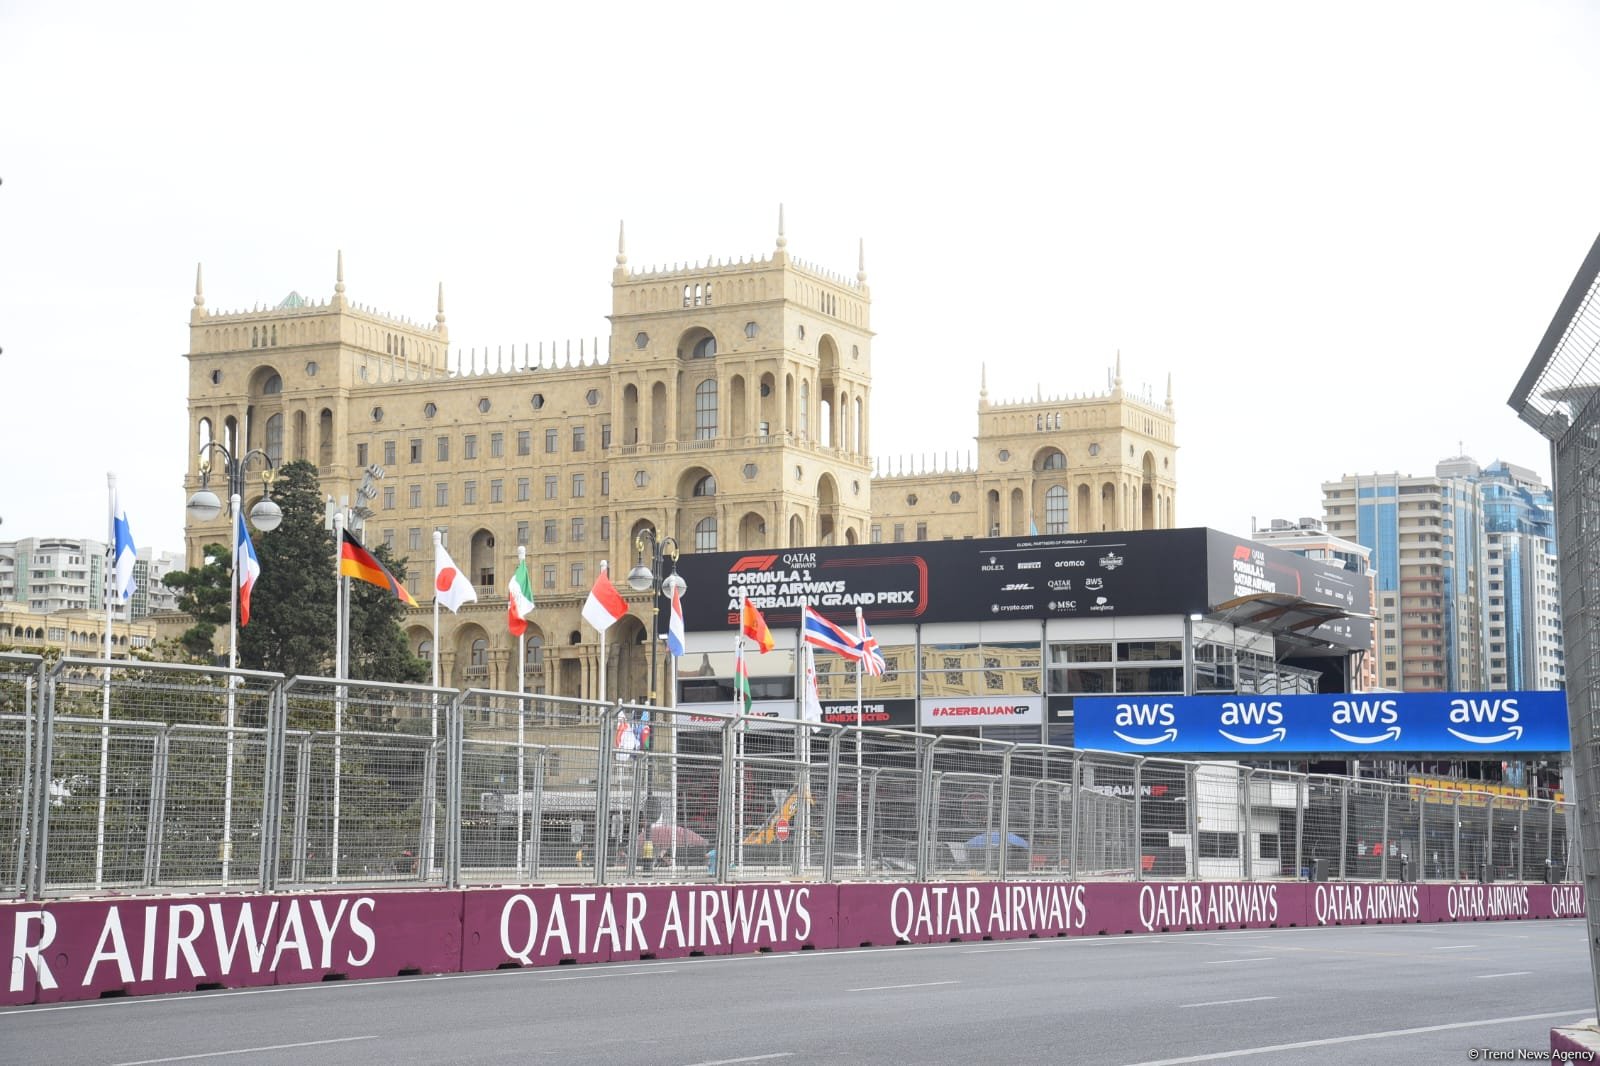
x=1418, y=993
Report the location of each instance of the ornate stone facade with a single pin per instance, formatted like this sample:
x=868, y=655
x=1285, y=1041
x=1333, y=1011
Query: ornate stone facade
x=729, y=408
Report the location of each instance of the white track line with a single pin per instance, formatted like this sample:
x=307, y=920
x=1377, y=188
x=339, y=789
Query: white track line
x=248, y=1050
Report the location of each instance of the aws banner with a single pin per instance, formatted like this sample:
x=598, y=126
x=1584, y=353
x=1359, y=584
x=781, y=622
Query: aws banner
x=1416, y=722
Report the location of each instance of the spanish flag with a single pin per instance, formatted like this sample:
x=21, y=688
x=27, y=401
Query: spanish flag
x=355, y=561
x=755, y=627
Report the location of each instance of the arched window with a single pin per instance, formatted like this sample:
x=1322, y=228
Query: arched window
x=805, y=410
x=1054, y=461
x=273, y=386
x=535, y=653
x=705, y=409
x=1055, y=510
x=706, y=486
x=705, y=348
x=480, y=652
x=425, y=651
x=705, y=535
x=274, y=447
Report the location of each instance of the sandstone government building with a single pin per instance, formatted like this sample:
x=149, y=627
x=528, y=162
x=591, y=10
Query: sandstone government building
x=730, y=408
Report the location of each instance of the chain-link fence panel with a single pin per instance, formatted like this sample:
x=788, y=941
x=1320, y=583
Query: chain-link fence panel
x=965, y=788
x=208, y=807
x=1107, y=828
x=1324, y=827
x=21, y=718
x=1166, y=842
x=1274, y=812
x=1436, y=855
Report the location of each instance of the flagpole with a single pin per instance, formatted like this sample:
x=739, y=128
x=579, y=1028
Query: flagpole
x=105, y=700
x=522, y=722
x=339, y=666
x=738, y=737
x=604, y=567
x=860, y=854
x=438, y=540
x=672, y=702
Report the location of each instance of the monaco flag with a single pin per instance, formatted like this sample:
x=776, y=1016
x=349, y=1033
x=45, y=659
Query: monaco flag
x=450, y=586
x=604, y=606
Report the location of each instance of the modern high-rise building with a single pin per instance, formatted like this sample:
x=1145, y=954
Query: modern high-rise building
x=49, y=574
x=1464, y=569
x=729, y=408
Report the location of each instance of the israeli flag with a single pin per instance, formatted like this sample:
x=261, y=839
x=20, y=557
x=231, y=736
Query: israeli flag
x=123, y=556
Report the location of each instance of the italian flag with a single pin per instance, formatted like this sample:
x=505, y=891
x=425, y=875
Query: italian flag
x=520, y=606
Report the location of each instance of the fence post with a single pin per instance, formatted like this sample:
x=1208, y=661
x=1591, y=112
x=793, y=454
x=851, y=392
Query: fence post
x=1344, y=826
x=454, y=783
x=725, y=803
x=1302, y=794
x=41, y=866
x=1246, y=837
x=602, y=793
x=1487, y=866
x=301, y=842
x=154, y=827
x=1191, y=784
x=1383, y=857
x=1075, y=812
x=1455, y=838
x=1005, y=809
x=1138, y=818
x=272, y=761
x=830, y=815
x=926, y=816
x=1522, y=839
x=1420, y=796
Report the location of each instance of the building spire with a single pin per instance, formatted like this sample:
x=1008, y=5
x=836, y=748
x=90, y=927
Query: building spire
x=1169, y=388
x=622, y=244
x=439, y=316
x=1117, y=380
x=783, y=241
x=199, y=288
x=338, y=280
x=861, y=260
x=983, y=385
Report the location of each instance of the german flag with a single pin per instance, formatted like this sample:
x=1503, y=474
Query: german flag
x=355, y=561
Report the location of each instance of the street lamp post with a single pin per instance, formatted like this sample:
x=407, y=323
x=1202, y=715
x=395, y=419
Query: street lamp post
x=660, y=575
x=266, y=516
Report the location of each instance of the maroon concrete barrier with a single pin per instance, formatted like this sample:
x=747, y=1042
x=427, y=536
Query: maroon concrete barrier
x=81, y=949
x=546, y=926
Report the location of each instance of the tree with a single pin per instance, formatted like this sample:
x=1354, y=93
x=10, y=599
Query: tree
x=204, y=591
x=291, y=608
x=378, y=647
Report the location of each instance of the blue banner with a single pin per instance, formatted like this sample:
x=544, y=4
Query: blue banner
x=1411, y=722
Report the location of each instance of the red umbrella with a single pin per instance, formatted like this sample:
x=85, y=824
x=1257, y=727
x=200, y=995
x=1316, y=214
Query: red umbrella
x=662, y=835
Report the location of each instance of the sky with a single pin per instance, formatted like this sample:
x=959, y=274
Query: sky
x=1341, y=229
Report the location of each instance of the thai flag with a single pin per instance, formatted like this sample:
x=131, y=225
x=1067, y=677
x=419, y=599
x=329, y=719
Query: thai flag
x=819, y=632
x=246, y=566
x=675, y=625
x=871, y=654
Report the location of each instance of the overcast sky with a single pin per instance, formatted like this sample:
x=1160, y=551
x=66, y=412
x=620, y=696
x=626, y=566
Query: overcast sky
x=1340, y=228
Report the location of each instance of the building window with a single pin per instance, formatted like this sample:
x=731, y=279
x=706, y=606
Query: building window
x=497, y=490
x=469, y=446
x=388, y=497
x=524, y=442
x=805, y=410
x=922, y=531
x=750, y=330
x=1055, y=509
x=414, y=538
x=361, y=455
x=705, y=410
x=522, y=534
x=444, y=449
x=538, y=401
x=899, y=532
x=469, y=493
x=551, y=534
x=641, y=339
x=605, y=434
x=388, y=453
x=550, y=486
x=522, y=490
x=552, y=441
x=416, y=449
x=1054, y=461
x=705, y=535
x=605, y=529
x=441, y=494
x=577, y=486
x=429, y=410
x=580, y=438
x=705, y=349
x=749, y=471
x=577, y=531
x=414, y=495
x=377, y=412
x=576, y=574
x=640, y=479
x=591, y=397
x=876, y=535
x=388, y=539
x=605, y=482
x=706, y=486
x=497, y=445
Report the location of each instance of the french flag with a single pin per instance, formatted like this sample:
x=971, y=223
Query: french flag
x=247, y=567
x=818, y=631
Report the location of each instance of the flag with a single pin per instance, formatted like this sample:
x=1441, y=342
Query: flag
x=819, y=632
x=811, y=711
x=355, y=561
x=604, y=606
x=752, y=625
x=642, y=730
x=741, y=679
x=450, y=586
x=871, y=654
x=123, y=555
x=246, y=567
x=1033, y=527
x=624, y=740
x=519, y=602
x=675, y=625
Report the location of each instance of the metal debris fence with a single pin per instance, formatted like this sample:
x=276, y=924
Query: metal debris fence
x=126, y=777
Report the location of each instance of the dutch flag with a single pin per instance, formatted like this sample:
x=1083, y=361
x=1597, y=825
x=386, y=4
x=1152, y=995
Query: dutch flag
x=675, y=625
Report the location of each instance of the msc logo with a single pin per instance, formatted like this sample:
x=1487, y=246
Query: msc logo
x=753, y=562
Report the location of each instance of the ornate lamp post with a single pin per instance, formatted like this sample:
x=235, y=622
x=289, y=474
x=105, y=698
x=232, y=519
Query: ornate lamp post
x=643, y=578
x=265, y=516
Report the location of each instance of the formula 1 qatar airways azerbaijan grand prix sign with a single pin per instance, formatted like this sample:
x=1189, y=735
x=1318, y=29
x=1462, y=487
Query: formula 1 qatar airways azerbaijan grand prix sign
x=1325, y=722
